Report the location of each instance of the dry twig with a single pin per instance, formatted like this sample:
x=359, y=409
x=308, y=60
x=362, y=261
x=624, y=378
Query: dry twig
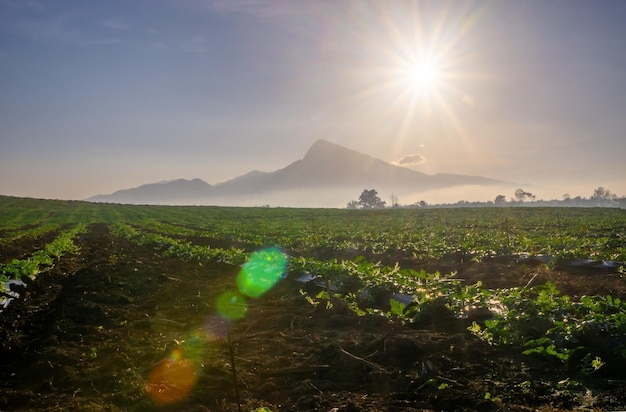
x=365, y=362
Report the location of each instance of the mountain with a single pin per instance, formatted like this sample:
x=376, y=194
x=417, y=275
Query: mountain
x=329, y=165
x=180, y=191
x=324, y=177
x=252, y=174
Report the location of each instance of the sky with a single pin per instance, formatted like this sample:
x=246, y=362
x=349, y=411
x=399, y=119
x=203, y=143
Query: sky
x=97, y=96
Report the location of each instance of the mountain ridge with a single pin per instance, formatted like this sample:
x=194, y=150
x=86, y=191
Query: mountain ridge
x=326, y=168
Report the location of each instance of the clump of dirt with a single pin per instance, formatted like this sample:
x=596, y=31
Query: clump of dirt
x=120, y=327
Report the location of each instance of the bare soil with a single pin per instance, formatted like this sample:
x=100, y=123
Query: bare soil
x=122, y=328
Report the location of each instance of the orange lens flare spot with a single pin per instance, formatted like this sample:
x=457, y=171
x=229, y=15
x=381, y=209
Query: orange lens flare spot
x=176, y=355
x=171, y=381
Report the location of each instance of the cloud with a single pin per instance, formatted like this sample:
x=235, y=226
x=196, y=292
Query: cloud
x=410, y=160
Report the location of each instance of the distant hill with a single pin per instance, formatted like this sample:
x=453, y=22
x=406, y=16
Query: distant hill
x=178, y=191
x=326, y=170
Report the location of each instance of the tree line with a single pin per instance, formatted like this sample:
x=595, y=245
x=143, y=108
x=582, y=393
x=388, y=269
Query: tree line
x=601, y=197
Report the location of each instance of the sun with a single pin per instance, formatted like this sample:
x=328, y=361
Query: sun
x=413, y=68
x=422, y=76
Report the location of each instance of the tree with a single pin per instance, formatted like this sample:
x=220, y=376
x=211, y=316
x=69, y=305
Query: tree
x=369, y=200
x=521, y=195
x=603, y=194
x=500, y=200
x=394, y=201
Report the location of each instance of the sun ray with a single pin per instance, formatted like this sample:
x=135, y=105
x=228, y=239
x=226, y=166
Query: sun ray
x=423, y=69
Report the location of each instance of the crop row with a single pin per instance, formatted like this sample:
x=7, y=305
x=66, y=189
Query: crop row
x=177, y=248
x=42, y=259
x=9, y=236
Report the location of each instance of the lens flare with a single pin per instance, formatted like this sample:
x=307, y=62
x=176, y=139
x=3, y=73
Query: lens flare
x=193, y=348
x=171, y=380
x=231, y=305
x=264, y=269
x=176, y=356
x=214, y=328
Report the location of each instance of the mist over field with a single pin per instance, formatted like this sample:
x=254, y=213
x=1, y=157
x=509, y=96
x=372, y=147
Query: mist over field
x=550, y=191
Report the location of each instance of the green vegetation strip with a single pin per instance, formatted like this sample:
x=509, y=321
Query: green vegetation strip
x=180, y=249
x=14, y=235
x=43, y=259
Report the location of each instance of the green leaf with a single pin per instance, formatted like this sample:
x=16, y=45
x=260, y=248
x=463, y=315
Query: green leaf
x=397, y=308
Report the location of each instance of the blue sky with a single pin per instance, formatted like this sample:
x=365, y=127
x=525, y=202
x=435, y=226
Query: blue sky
x=98, y=96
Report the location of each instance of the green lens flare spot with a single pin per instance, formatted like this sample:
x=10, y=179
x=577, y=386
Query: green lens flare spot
x=264, y=269
x=231, y=305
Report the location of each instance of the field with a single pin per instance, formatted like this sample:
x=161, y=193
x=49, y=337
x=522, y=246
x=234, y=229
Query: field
x=134, y=308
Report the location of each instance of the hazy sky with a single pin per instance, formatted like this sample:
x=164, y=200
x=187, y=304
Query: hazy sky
x=97, y=96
